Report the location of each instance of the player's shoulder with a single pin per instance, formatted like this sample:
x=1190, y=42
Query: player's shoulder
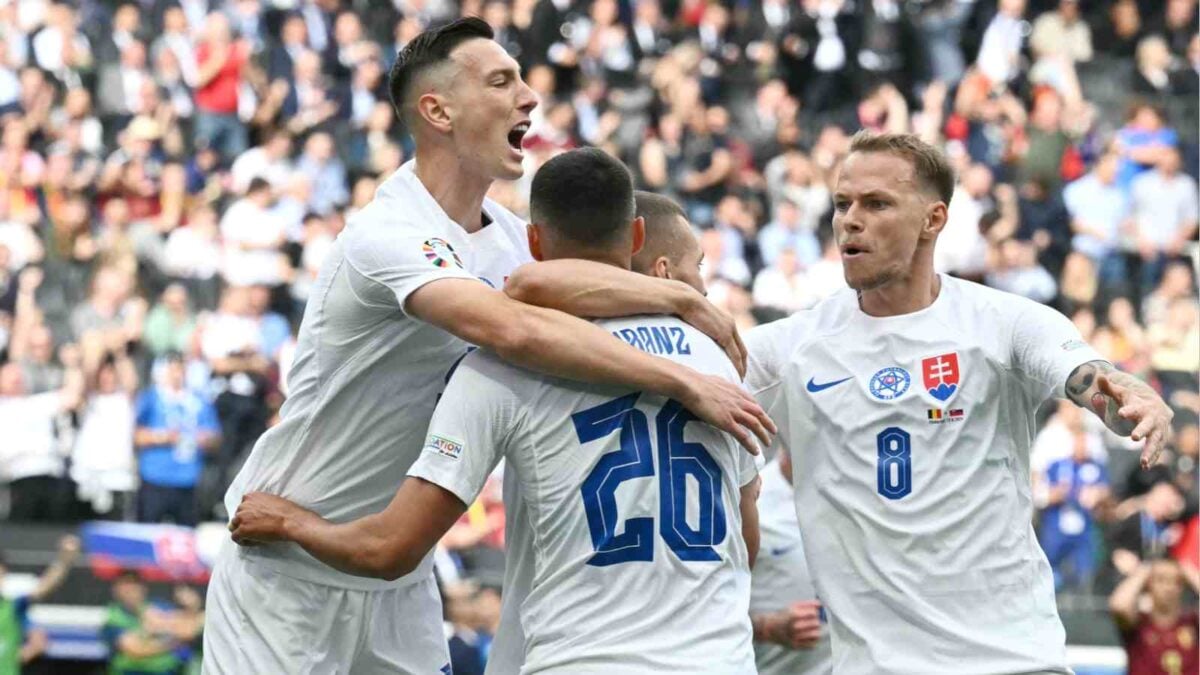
x=401, y=207
x=671, y=338
x=827, y=317
x=482, y=371
x=974, y=298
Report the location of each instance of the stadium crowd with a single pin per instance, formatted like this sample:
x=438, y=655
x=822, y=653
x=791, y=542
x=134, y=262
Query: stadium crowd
x=172, y=173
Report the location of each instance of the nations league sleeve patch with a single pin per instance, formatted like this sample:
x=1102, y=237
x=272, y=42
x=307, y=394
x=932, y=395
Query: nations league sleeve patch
x=441, y=253
x=446, y=447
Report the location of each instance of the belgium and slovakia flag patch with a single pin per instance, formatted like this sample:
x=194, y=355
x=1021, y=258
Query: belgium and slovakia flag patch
x=937, y=415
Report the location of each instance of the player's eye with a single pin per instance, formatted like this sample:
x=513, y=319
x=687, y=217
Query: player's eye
x=841, y=205
x=877, y=204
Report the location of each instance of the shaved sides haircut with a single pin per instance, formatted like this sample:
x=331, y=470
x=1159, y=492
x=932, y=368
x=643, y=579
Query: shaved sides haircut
x=666, y=226
x=426, y=52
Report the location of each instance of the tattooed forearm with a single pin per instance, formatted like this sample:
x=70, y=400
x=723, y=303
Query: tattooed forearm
x=1082, y=388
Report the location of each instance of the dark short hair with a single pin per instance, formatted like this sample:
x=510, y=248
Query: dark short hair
x=655, y=207
x=584, y=195
x=429, y=49
x=930, y=165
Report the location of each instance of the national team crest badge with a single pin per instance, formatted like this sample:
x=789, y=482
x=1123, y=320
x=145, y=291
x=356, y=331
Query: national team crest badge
x=440, y=253
x=890, y=383
x=940, y=375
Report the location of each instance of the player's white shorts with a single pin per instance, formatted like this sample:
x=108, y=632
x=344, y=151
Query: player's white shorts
x=260, y=621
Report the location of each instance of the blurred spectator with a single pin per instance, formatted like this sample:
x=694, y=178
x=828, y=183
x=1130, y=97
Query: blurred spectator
x=1162, y=638
x=1074, y=487
x=1146, y=534
x=253, y=235
x=171, y=324
x=1164, y=214
x=1099, y=209
x=326, y=173
x=1142, y=142
x=103, y=466
x=148, y=637
x=1177, y=282
x=781, y=285
x=961, y=248
x=32, y=459
x=268, y=161
x=1175, y=343
x=1016, y=270
x=1118, y=37
x=220, y=62
x=176, y=427
x=787, y=232
x=232, y=344
x=20, y=644
x=1062, y=32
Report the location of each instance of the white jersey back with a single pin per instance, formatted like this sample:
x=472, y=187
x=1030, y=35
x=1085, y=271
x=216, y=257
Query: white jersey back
x=631, y=505
x=910, y=440
x=781, y=578
x=366, y=376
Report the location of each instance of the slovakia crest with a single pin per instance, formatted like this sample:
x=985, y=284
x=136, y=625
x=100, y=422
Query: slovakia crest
x=940, y=375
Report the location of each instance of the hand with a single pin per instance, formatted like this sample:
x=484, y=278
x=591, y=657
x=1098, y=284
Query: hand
x=1126, y=562
x=262, y=518
x=728, y=407
x=718, y=325
x=798, y=626
x=1140, y=406
x=68, y=548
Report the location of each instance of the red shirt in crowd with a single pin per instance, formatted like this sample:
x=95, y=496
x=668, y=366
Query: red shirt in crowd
x=1157, y=650
x=220, y=94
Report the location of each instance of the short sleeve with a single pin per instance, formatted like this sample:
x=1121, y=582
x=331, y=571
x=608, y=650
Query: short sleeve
x=748, y=467
x=401, y=261
x=1046, y=348
x=470, y=428
x=768, y=348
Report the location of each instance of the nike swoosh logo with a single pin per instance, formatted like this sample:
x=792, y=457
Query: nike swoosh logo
x=814, y=387
x=782, y=550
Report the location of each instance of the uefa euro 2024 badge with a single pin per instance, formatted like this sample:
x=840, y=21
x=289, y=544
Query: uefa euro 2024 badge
x=440, y=253
x=890, y=383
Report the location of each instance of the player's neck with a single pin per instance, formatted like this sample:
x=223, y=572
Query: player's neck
x=456, y=189
x=903, y=296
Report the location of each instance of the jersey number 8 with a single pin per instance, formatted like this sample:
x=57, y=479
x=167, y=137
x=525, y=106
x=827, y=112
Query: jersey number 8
x=893, y=473
x=677, y=460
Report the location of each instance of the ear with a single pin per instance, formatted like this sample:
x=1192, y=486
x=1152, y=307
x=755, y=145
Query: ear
x=661, y=268
x=535, y=242
x=432, y=107
x=935, y=221
x=639, y=234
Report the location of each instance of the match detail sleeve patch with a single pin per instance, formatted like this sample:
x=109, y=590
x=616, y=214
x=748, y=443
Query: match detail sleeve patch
x=444, y=446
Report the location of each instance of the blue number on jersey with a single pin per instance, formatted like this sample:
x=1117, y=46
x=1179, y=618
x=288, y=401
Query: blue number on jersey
x=677, y=459
x=894, y=468
x=633, y=460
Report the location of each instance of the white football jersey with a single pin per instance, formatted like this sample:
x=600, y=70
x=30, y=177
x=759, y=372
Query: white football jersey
x=910, y=440
x=630, y=503
x=781, y=578
x=366, y=376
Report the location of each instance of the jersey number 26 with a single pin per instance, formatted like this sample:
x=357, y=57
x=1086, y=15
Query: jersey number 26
x=677, y=460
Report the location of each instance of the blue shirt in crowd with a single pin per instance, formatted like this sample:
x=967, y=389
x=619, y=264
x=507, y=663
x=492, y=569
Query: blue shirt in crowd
x=175, y=465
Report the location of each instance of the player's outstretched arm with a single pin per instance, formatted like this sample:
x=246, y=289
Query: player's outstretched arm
x=385, y=545
x=56, y=573
x=1128, y=406
x=594, y=290
x=562, y=345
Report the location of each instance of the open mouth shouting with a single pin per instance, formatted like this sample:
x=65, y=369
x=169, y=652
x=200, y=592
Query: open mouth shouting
x=516, y=136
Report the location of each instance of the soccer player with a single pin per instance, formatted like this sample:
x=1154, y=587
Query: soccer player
x=790, y=637
x=908, y=403
x=637, y=511
x=401, y=295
